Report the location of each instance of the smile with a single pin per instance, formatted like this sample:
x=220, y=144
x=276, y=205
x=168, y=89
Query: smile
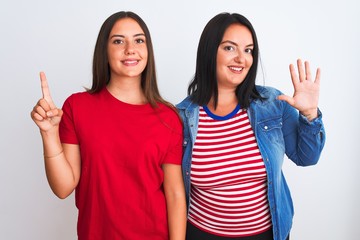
x=130, y=62
x=236, y=69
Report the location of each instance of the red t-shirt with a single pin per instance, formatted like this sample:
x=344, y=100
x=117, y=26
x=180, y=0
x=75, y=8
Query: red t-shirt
x=120, y=194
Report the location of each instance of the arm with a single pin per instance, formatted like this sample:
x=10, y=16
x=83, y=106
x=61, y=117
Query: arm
x=62, y=162
x=62, y=170
x=307, y=128
x=304, y=139
x=175, y=201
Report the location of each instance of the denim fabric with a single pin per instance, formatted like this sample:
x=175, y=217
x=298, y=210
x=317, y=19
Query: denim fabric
x=279, y=129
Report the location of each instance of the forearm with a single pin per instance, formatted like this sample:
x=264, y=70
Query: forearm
x=175, y=201
x=176, y=208
x=59, y=172
x=310, y=140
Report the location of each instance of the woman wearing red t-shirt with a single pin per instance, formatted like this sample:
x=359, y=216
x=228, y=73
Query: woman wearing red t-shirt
x=118, y=144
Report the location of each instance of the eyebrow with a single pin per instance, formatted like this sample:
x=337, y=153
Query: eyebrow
x=123, y=36
x=233, y=43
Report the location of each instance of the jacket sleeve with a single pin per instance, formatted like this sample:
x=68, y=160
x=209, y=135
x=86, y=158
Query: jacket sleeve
x=304, y=140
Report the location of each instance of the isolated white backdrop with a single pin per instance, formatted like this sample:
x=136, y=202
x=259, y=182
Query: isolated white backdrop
x=58, y=37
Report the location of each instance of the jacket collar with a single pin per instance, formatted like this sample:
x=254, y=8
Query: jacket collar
x=187, y=104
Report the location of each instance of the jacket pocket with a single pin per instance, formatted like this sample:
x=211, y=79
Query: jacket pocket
x=272, y=129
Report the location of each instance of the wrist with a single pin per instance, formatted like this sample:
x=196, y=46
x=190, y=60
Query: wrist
x=53, y=131
x=310, y=114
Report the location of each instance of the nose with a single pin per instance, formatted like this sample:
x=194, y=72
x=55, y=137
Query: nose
x=129, y=49
x=240, y=57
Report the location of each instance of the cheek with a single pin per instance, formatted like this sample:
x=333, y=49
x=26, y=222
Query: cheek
x=221, y=73
x=112, y=60
x=144, y=53
x=112, y=55
x=145, y=56
x=249, y=61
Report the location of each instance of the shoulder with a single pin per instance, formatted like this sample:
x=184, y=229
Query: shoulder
x=186, y=103
x=74, y=98
x=267, y=92
x=167, y=110
x=169, y=118
x=80, y=101
x=169, y=114
x=84, y=96
x=270, y=105
x=79, y=96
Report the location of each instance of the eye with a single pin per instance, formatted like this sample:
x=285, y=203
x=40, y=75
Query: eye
x=249, y=50
x=118, y=41
x=139, y=40
x=229, y=48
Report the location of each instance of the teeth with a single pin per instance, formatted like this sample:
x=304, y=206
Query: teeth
x=130, y=62
x=238, y=69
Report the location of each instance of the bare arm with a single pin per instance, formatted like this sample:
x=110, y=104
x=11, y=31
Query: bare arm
x=63, y=167
x=62, y=161
x=175, y=201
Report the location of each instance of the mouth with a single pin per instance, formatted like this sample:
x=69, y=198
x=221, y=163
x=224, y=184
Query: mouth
x=130, y=62
x=236, y=69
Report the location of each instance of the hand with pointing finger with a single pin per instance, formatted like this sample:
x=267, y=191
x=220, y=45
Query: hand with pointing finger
x=306, y=91
x=45, y=114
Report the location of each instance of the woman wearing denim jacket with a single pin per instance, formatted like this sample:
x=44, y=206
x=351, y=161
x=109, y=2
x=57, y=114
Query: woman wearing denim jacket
x=236, y=135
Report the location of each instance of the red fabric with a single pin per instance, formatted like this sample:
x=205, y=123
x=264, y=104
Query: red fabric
x=120, y=193
x=228, y=176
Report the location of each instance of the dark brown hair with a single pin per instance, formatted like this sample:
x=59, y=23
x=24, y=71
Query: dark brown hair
x=204, y=84
x=101, y=68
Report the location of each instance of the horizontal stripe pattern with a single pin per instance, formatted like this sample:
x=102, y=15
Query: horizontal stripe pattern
x=229, y=185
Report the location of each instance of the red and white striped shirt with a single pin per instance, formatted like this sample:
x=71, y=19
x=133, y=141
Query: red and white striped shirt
x=228, y=176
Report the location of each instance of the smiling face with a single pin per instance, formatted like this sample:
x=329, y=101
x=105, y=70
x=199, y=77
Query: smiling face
x=127, y=51
x=234, y=56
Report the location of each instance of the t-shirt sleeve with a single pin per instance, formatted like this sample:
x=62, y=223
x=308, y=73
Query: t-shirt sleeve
x=175, y=150
x=67, y=127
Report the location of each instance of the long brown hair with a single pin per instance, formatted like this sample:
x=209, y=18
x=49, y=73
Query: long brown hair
x=101, y=68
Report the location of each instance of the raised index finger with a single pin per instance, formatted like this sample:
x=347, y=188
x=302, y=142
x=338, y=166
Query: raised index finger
x=45, y=90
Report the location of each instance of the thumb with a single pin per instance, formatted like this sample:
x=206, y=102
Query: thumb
x=286, y=98
x=56, y=112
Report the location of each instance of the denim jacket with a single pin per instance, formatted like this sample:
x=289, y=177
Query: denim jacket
x=279, y=129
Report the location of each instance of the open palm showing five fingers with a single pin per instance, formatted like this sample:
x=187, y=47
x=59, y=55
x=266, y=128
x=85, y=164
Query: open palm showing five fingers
x=306, y=90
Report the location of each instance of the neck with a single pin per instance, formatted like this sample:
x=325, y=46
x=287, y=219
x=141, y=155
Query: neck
x=127, y=90
x=227, y=102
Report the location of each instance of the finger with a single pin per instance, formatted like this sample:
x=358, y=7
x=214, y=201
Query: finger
x=287, y=99
x=54, y=113
x=45, y=90
x=44, y=104
x=294, y=77
x=307, y=71
x=318, y=75
x=301, y=70
x=40, y=111
x=36, y=116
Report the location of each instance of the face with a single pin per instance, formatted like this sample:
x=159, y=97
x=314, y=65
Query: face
x=234, y=56
x=127, y=51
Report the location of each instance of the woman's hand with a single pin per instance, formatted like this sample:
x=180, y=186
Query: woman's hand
x=45, y=114
x=62, y=161
x=306, y=90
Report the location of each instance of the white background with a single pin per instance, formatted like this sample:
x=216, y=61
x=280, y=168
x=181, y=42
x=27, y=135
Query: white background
x=58, y=37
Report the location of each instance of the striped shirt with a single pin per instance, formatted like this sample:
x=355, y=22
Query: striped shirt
x=228, y=176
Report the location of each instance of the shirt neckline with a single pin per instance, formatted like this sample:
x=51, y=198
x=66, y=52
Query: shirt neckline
x=126, y=105
x=221, y=118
